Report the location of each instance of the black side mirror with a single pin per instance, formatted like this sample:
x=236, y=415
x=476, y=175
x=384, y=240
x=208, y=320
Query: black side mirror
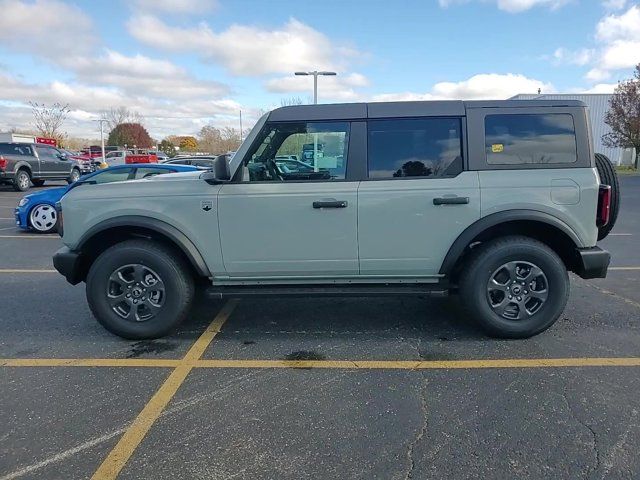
x=63, y=156
x=221, y=167
x=220, y=172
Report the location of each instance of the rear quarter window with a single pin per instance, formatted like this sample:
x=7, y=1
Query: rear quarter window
x=14, y=149
x=521, y=139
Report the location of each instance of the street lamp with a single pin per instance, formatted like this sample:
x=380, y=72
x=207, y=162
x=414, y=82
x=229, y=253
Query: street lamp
x=315, y=81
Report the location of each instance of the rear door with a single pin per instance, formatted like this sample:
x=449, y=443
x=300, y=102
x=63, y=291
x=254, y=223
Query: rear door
x=418, y=197
x=275, y=224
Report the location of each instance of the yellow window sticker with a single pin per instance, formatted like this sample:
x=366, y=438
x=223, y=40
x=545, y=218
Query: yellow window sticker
x=497, y=148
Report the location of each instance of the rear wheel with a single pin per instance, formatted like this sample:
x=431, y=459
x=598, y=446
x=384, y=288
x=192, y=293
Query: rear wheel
x=139, y=289
x=515, y=287
x=22, y=181
x=608, y=176
x=43, y=218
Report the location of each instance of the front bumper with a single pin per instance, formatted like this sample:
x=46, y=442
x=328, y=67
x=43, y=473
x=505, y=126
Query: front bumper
x=593, y=262
x=70, y=264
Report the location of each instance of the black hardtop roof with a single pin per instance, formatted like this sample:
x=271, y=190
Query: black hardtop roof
x=344, y=111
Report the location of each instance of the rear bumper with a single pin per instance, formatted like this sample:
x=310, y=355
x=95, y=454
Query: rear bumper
x=69, y=264
x=593, y=263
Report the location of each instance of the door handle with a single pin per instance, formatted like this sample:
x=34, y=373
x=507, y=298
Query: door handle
x=330, y=204
x=450, y=200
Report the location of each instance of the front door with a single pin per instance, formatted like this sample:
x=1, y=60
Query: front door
x=277, y=221
x=49, y=162
x=417, y=198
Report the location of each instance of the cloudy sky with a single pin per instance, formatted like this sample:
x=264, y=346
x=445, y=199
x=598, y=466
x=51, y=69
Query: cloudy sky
x=186, y=63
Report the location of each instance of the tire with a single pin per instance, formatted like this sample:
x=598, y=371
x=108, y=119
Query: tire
x=75, y=176
x=37, y=183
x=608, y=176
x=22, y=182
x=170, y=274
x=43, y=218
x=478, y=295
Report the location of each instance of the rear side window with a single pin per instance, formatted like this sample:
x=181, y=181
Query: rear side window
x=530, y=139
x=421, y=147
x=14, y=149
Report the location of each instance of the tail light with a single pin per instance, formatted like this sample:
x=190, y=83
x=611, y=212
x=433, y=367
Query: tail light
x=604, y=205
x=3, y=163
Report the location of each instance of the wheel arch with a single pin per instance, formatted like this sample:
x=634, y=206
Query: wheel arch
x=535, y=224
x=23, y=166
x=115, y=230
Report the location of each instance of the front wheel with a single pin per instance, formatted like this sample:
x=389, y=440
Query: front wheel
x=74, y=177
x=515, y=287
x=139, y=289
x=43, y=218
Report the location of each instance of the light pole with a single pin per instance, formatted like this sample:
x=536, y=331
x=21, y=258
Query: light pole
x=315, y=74
x=102, y=120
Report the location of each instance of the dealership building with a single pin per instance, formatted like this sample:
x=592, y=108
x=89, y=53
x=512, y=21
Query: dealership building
x=598, y=105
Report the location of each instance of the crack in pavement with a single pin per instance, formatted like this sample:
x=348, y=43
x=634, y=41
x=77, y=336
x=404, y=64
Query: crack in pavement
x=594, y=435
x=421, y=432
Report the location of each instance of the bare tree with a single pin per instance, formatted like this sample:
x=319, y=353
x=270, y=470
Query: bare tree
x=117, y=115
x=624, y=116
x=48, y=121
x=285, y=102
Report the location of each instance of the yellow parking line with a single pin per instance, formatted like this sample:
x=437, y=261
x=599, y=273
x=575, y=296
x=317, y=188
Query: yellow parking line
x=425, y=365
x=119, y=456
x=323, y=364
x=88, y=362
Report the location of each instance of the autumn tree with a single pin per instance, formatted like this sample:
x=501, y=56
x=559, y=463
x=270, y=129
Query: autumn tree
x=48, y=121
x=130, y=134
x=286, y=102
x=117, y=115
x=167, y=147
x=623, y=116
x=188, y=144
x=217, y=141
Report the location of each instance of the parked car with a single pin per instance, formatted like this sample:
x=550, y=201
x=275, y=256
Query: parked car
x=198, y=161
x=22, y=164
x=37, y=212
x=493, y=200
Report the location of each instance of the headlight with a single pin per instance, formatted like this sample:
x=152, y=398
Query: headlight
x=23, y=202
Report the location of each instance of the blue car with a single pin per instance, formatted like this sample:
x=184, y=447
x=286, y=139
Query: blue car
x=37, y=211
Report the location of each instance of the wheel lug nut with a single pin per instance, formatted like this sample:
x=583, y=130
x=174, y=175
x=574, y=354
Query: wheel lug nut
x=526, y=292
x=519, y=299
x=128, y=295
x=510, y=296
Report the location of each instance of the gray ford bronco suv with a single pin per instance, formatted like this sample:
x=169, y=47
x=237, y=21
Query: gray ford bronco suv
x=495, y=201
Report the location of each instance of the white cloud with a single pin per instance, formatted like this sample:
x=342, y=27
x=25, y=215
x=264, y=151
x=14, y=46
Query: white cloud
x=176, y=6
x=601, y=88
x=247, y=50
x=513, y=6
x=341, y=88
x=141, y=75
x=50, y=28
x=614, y=4
x=478, y=87
x=617, y=47
x=574, y=57
x=620, y=27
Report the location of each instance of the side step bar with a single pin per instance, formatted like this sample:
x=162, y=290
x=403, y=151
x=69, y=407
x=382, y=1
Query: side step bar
x=393, y=290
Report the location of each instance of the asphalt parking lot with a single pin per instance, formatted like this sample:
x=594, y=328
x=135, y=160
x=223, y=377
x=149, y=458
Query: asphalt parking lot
x=391, y=388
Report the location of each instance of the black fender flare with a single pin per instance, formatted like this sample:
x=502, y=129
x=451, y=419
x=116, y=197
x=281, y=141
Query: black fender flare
x=21, y=164
x=172, y=233
x=472, y=231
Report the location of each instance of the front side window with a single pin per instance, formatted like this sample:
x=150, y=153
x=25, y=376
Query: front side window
x=146, y=172
x=111, y=176
x=420, y=147
x=46, y=153
x=299, y=151
x=530, y=139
